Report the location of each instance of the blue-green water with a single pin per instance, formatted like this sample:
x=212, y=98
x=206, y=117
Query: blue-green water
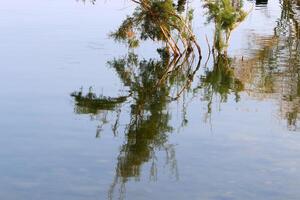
x=206, y=145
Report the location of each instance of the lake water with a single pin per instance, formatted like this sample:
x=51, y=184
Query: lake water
x=233, y=135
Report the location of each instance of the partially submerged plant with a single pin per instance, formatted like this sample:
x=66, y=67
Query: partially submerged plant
x=159, y=21
x=227, y=15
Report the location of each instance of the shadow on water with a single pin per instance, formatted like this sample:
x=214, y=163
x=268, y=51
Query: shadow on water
x=153, y=84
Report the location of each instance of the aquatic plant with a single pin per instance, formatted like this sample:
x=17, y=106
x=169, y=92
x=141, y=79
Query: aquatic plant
x=159, y=21
x=226, y=15
x=92, y=104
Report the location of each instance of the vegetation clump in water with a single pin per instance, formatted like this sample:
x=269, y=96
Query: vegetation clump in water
x=91, y=103
x=226, y=15
x=159, y=21
x=151, y=82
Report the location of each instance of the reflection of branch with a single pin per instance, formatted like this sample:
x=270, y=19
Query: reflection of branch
x=209, y=51
x=116, y=124
x=171, y=160
x=188, y=82
x=153, y=170
x=112, y=187
x=169, y=69
x=100, y=127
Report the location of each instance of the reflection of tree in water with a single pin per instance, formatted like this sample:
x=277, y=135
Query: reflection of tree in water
x=91, y=1
x=149, y=119
x=148, y=127
x=288, y=54
x=152, y=84
x=273, y=70
x=219, y=80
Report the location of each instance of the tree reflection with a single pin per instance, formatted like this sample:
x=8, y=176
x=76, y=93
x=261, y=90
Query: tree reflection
x=149, y=121
x=152, y=84
x=288, y=50
x=149, y=94
x=219, y=80
x=273, y=70
x=92, y=1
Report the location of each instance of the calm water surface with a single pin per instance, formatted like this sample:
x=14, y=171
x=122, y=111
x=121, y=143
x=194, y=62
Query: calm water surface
x=233, y=135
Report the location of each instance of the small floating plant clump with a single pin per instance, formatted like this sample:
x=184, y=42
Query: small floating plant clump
x=91, y=103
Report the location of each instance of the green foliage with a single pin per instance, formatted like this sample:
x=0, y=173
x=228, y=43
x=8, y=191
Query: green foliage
x=146, y=22
x=226, y=14
x=92, y=104
x=221, y=80
x=126, y=33
x=181, y=5
x=158, y=20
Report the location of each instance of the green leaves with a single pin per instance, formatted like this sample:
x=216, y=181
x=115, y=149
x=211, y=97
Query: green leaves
x=126, y=33
x=158, y=20
x=224, y=13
